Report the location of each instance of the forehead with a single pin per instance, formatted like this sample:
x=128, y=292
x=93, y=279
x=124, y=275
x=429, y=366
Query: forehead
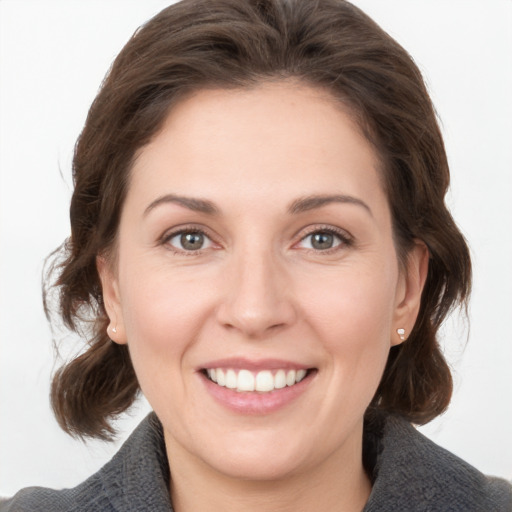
x=281, y=135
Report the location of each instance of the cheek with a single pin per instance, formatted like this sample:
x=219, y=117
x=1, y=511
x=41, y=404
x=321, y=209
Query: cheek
x=352, y=315
x=354, y=305
x=163, y=315
x=160, y=305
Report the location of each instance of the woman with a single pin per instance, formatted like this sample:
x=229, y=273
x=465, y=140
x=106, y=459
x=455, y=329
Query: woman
x=260, y=241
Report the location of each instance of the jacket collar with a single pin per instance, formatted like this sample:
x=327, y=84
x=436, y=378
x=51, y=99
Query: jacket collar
x=410, y=473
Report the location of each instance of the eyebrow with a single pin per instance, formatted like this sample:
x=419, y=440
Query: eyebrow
x=305, y=204
x=194, y=204
x=300, y=205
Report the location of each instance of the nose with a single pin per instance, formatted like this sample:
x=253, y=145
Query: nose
x=258, y=299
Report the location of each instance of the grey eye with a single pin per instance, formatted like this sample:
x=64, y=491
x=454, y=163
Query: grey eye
x=321, y=241
x=190, y=241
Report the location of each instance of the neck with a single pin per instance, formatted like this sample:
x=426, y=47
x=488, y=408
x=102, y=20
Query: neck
x=336, y=484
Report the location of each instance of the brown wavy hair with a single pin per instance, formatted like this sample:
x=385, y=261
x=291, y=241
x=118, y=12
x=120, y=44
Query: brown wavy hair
x=198, y=44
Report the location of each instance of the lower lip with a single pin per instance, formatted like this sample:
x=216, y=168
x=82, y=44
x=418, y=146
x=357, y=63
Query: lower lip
x=253, y=402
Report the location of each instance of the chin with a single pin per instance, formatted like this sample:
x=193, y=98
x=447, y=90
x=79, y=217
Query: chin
x=258, y=456
x=260, y=467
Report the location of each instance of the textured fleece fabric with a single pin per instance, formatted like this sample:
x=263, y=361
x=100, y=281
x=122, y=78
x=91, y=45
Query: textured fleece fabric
x=412, y=474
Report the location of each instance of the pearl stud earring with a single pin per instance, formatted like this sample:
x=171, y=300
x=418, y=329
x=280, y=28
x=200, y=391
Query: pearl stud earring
x=401, y=333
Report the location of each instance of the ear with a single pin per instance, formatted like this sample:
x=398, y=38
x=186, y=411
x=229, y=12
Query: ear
x=111, y=299
x=409, y=290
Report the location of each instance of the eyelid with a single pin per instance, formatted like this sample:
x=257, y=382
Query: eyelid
x=346, y=238
x=186, y=228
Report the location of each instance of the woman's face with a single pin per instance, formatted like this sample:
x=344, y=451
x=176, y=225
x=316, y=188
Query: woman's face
x=257, y=285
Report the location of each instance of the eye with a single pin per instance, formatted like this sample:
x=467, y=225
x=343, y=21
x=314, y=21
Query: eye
x=323, y=240
x=188, y=241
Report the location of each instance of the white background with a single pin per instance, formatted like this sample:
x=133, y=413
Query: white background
x=53, y=55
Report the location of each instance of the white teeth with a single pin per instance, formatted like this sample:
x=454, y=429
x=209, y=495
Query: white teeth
x=245, y=381
x=231, y=379
x=300, y=375
x=290, y=377
x=221, y=378
x=280, y=379
x=263, y=381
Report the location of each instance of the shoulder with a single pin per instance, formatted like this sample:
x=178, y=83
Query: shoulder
x=136, y=479
x=88, y=496
x=415, y=474
x=91, y=495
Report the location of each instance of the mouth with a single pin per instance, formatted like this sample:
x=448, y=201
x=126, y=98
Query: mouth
x=256, y=387
x=262, y=381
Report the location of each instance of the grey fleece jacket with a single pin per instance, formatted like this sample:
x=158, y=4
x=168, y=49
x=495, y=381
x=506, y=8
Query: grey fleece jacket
x=411, y=474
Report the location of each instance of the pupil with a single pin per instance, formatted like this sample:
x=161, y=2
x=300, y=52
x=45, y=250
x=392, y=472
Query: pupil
x=192, y=241
x=322, y=240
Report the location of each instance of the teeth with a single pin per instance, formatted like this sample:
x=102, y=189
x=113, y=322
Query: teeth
x=290, y=377
x=221, y=378
x=263, y=381
x=245, y=381
x=231, y=379
x=280, y=379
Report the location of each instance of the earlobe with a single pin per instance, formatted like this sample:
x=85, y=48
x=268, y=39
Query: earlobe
x=111, y=300
x=411, y=289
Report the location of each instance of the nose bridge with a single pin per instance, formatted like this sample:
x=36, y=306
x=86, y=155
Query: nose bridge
x=256, y=300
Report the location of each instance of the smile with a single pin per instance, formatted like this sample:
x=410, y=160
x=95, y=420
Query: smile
x=263, y=381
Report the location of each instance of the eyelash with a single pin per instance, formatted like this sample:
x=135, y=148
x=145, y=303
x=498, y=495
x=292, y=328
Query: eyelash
x=167, y=237
x=345, y=239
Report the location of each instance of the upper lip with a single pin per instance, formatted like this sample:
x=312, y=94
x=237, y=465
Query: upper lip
x=254, y=365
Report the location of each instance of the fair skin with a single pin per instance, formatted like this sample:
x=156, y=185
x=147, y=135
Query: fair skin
x=225, y=262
